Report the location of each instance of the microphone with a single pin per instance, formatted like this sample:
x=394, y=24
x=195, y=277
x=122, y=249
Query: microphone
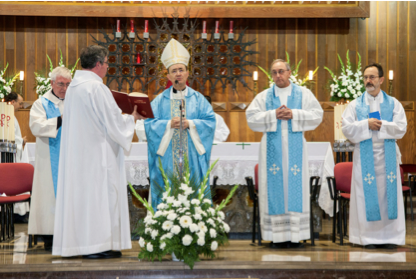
x=174, y=90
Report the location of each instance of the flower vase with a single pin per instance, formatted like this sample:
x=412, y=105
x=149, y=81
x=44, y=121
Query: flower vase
x=175, y=259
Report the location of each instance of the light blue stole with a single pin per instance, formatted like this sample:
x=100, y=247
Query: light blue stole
x=275, y=192
x=367, y=162
x=52, y=111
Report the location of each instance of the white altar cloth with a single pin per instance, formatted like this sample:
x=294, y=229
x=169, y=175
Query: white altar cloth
x=236, y=161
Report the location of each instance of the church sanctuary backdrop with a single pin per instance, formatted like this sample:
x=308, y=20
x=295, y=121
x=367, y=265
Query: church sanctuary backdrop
x=315, y=32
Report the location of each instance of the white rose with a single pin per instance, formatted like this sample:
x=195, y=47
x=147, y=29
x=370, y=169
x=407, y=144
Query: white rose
x=202, y=227
x=175, y=229
x=349, y=87
x=149, y=247
x=332, y=93
x=195, y=202
x=211, y=222
x=185, y=221
x=172, y=216
x=177, y=203
x=167, y=225
x=347, y=95
x=353, y=92
x=344, y=90
x=207, y=201
x=213, y=233
x=154, y=234
x=187, y=240
x=221, y=214
x=211, y=210
x=355, y=96
x=148, y=231
x=214, y=245
x=162, y=206
x=141, y=242
x=194, y=227
x=197, y=216
x=169, y=235
x=226, y=227
x=201, y=241
x=170, y=200
x=162, y=246
x=157, y=214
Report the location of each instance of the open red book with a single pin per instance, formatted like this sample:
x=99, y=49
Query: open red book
x=126, y=102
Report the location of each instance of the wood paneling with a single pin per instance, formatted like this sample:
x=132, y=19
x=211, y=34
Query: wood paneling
x=386, y=37
x=211, y=9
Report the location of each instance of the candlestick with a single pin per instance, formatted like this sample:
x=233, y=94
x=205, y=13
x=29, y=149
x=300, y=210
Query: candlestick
x=146, y=29
x=231, y=27
x=204, y=27
x=391, y=75
x=217, y=30
x=255, y=75
x=310, y=75
x=138, y=59
x=131, y=25
x=118, y=32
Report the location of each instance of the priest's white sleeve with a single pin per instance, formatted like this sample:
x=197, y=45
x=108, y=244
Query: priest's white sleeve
x=18, y=140
x=311, y=114
x=221, y=129
x=39, y=124
x=258, y=118
x=140, y=131
x=195, y=138
x=356, y=131
x=397, y=128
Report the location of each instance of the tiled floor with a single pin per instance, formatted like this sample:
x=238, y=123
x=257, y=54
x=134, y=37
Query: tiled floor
x=239, y=254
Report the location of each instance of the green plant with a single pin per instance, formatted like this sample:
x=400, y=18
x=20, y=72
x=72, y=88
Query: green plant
x=6, y=83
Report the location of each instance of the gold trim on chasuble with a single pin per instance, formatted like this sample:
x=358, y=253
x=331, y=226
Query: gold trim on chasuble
x=175, y=112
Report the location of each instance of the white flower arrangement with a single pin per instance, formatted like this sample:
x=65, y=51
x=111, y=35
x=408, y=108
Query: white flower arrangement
x=43, y=82
x=349, y=85
x=6, y=84
x=185, y=223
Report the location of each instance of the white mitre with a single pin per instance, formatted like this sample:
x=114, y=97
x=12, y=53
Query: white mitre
x=174, y=53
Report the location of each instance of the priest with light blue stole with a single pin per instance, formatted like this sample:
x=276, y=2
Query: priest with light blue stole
x=163, y=131
x=283, y=112
x=374, y=121
x=45, y=123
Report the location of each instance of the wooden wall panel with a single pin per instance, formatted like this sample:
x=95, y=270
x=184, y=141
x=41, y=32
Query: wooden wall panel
x=386, y=37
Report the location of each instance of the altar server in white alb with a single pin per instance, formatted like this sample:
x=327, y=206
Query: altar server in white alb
x=283, y=112
x=17, y=102
x=374, y=121
x=92, y=216
x=45, y=123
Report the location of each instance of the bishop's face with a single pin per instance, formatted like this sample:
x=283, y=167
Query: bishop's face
x=281, y=74
x=178, y=72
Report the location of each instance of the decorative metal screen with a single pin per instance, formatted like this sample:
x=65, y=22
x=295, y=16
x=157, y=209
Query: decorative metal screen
x=215, y=61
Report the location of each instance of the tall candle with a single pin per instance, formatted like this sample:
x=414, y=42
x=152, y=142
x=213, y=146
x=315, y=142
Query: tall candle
x=310, y=75
x=138, y=60
x=204, y=27
x=146, y=26
x=131, y=25
x=255, y=75
x=118, y=25
x=391, y=75
x=217, y=26
x=22, y=75
x=231, y=26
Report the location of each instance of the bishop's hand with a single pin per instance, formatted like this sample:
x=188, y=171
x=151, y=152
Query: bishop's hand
x=374, y=124
x=176, y=123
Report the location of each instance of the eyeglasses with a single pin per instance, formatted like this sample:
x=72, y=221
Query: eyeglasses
x=61, y=84
x=370, y=77
x=280, y=72
x=106, y=62
x=176, y=71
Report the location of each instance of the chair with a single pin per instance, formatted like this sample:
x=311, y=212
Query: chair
x=408, y=189
x=252, y=191
x=340, y=189
x=15, y=179
x=313, y=196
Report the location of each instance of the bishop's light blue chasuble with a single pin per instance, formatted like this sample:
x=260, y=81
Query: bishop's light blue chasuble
x=52, y=111
x=275, y=190
x=367, y=163
x=199, y=110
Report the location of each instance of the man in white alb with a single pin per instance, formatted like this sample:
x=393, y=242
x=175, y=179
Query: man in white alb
x=374, y=121
x=283, y=112
x=92, y=217
x=45, y=124
x=221, y=129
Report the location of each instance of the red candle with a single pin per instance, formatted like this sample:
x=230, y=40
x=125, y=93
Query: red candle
x=118, y=25
x=231, y=26
x=131, y=25
x=146, y=26
x=138, y=58
x=217, y=26
x=204, y=27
